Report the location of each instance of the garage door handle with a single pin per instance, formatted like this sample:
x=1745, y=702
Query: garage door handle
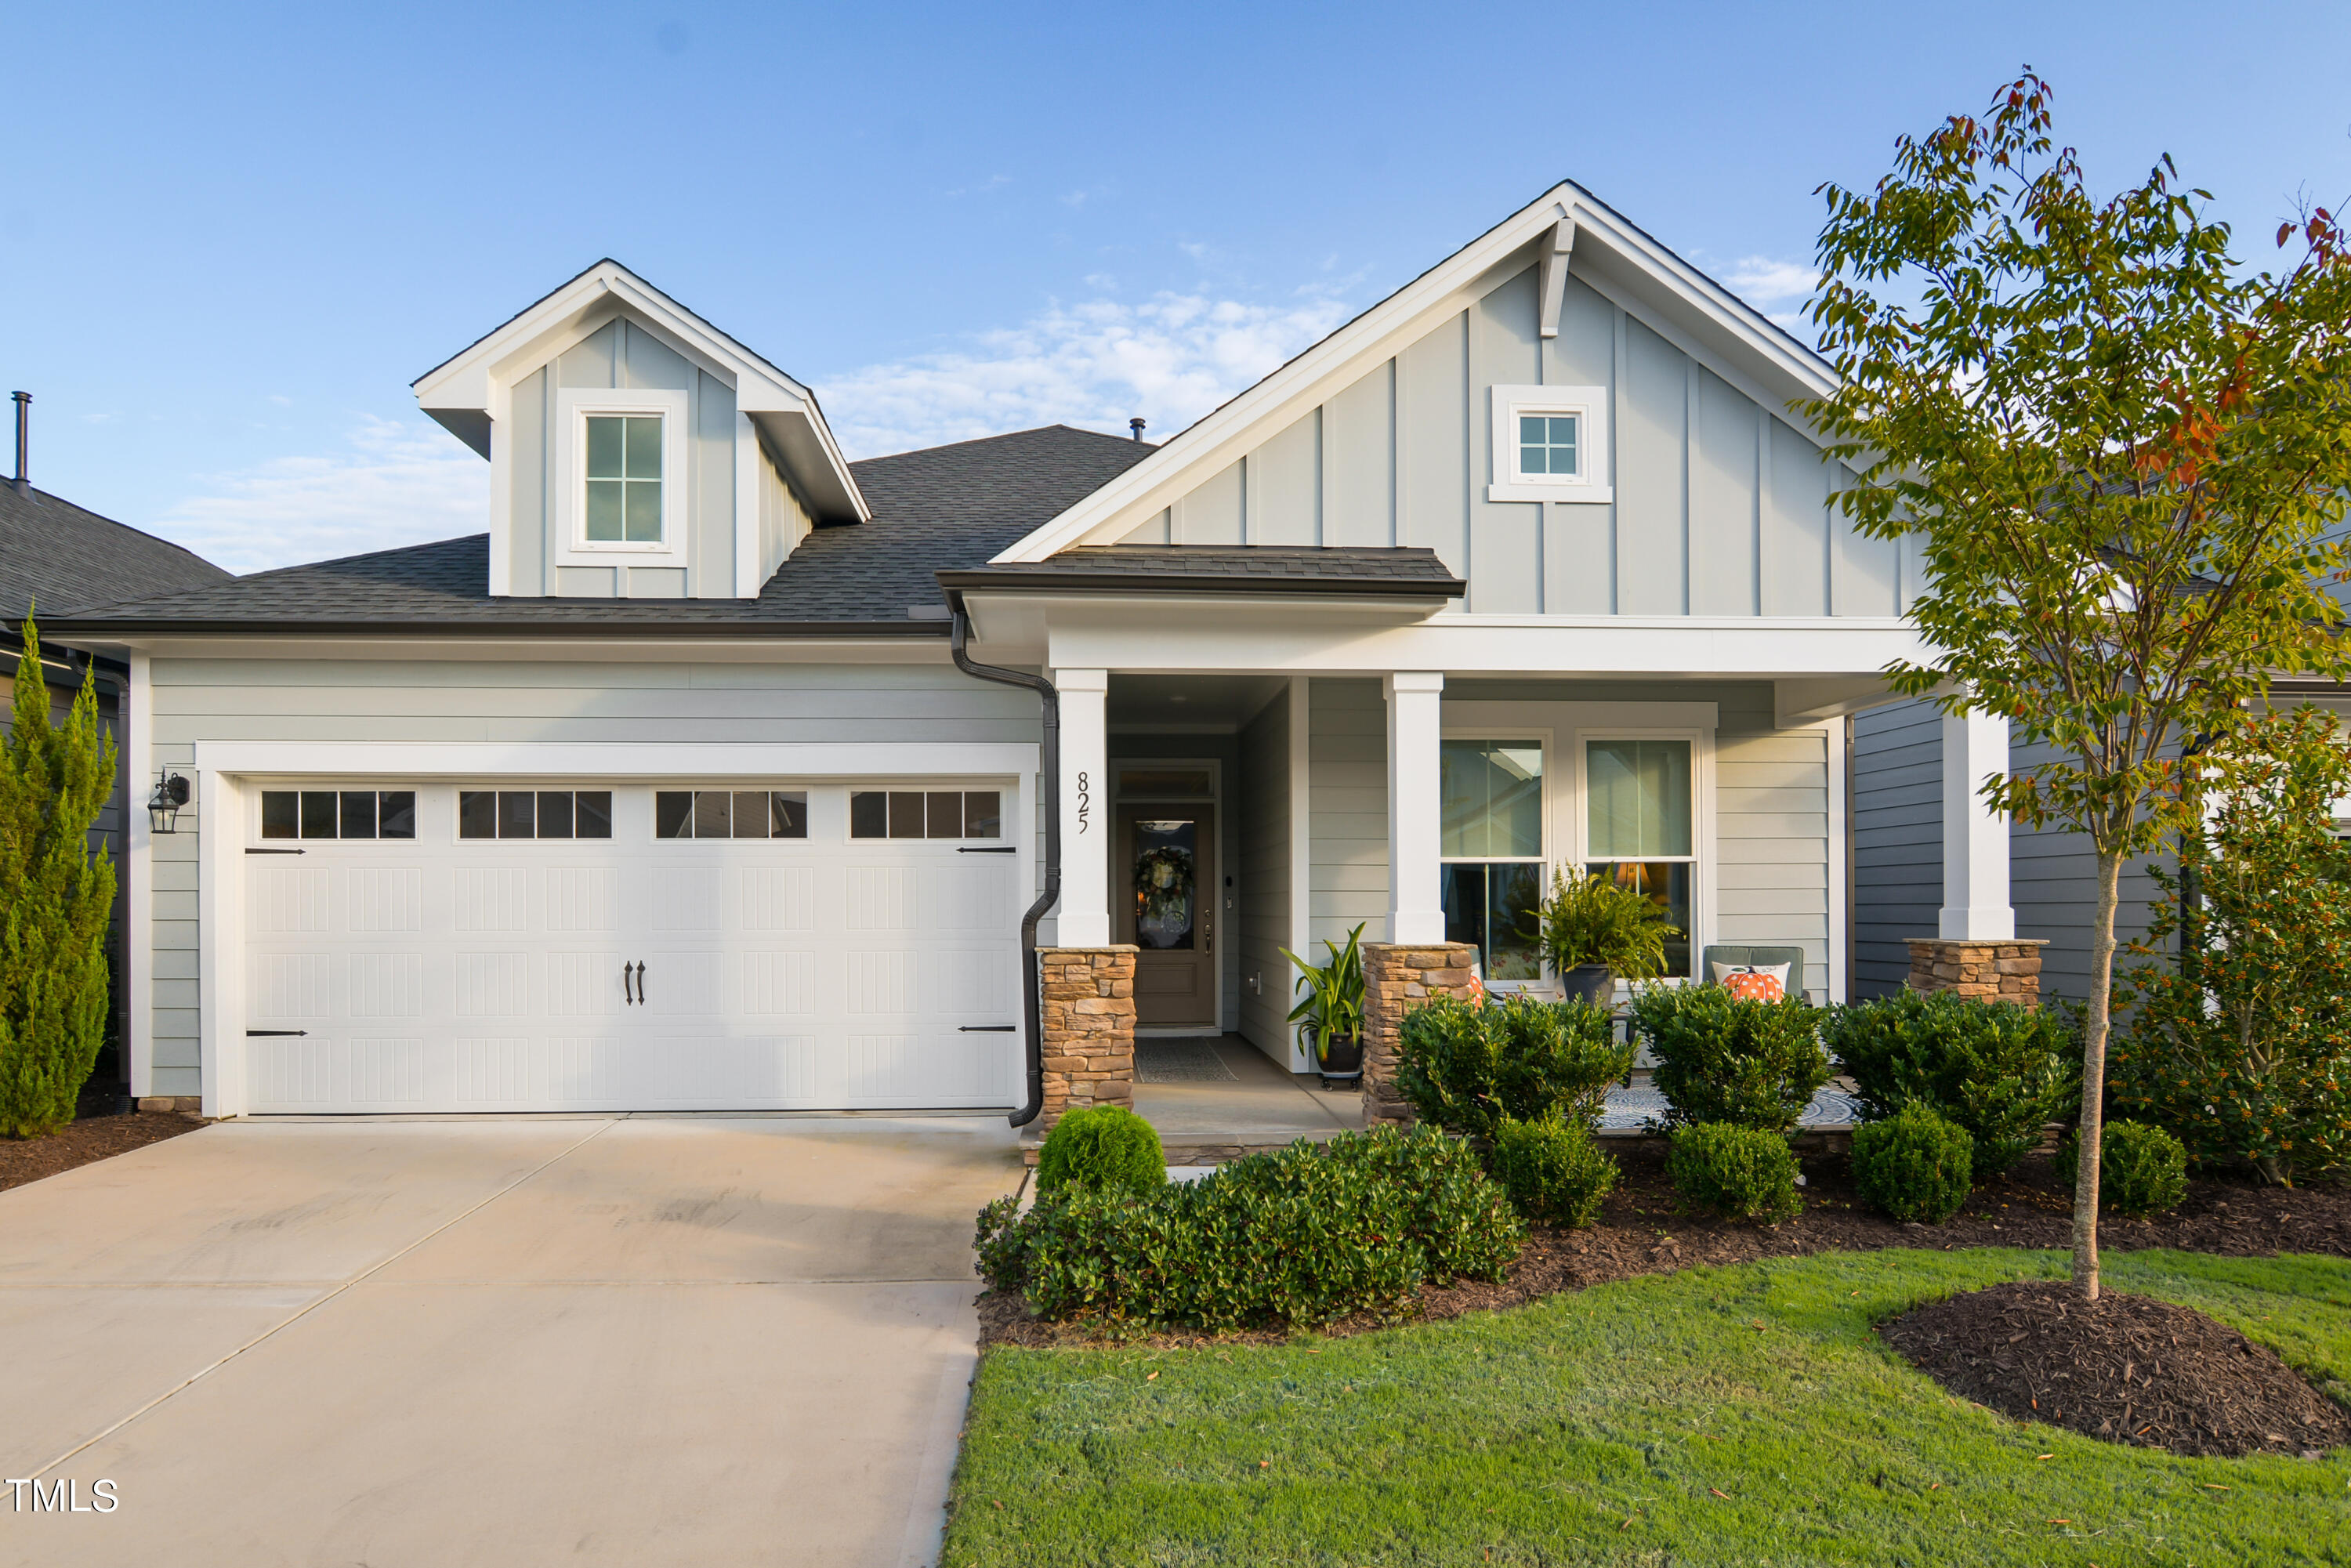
x=640, y=982
x=257, y=1033
x=967, y=850
x=988, y=1028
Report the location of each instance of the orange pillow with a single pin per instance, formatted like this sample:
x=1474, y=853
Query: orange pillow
x=1753, y=985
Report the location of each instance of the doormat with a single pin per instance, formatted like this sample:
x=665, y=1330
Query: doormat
x=1179, y=1061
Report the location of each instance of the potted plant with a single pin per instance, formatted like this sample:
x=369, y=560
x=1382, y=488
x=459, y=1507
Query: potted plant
x=1595, y=932
x=1330, y=1015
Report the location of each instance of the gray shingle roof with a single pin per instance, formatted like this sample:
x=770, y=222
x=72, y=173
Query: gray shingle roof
x=59, y=557
x=1221, y=568
x=942, y=507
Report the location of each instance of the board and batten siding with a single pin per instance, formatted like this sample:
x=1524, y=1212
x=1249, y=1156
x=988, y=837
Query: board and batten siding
x=2053, y=876
x=1262, y=867
x=623, y=354
x=1772, y=849
x=1898, y=824
x=525, y=702
x=1721, y=506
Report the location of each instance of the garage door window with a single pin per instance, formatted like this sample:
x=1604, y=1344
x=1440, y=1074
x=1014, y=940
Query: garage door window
x=534, y=813
x=338, y=813
x=730, y=813
x=926, y=814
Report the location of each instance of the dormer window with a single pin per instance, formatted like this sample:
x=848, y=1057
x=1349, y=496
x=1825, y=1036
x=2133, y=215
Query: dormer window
x=624, y=478
x=623, y=453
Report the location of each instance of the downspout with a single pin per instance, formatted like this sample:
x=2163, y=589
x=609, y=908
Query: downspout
x=1051, y=799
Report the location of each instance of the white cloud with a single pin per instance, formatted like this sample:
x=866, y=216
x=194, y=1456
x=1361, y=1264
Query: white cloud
x=394, y=483
x=1170, y=359
x=1760, y=280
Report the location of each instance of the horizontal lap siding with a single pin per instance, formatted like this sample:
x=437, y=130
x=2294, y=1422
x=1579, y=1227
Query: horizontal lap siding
x=1771, y=837
x=1347, y=800
x=1264, y=868
x=1897, y=793
x=430, y=701
x=2054, y=883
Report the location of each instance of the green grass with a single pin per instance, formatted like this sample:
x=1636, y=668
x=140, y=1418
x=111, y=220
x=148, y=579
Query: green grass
x=1598, y=1426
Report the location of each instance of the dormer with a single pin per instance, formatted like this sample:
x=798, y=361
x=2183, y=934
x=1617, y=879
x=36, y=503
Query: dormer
x=636, y=450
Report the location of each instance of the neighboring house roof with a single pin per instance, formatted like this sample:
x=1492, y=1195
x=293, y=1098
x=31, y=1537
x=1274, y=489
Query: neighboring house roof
x=1565, y=231
x=939, y=509
x=1221, y=570
x=56, y=557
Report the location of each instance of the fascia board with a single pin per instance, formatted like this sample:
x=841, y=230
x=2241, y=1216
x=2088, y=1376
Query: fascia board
x=1675, y=288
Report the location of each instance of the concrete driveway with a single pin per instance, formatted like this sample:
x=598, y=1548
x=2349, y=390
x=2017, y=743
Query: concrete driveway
x=629, y=1339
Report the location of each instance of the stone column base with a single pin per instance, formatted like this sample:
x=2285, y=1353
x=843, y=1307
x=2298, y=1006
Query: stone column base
x=188, y=1105
x=2006, y=971
x=1396, y=979
x=1088, y=1028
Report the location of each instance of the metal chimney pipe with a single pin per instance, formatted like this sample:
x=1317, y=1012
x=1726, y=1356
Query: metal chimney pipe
x=1134, y=425
x=24, y=441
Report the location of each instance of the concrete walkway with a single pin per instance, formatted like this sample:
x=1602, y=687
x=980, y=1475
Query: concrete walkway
x=674, y=1340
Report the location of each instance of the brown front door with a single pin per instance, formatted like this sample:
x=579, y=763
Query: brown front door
x=1164, y=885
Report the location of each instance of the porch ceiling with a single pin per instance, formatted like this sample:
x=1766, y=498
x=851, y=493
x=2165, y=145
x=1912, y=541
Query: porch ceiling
x=1148, y=702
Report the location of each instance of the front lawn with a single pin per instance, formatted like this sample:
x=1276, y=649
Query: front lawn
x=1742, y=1414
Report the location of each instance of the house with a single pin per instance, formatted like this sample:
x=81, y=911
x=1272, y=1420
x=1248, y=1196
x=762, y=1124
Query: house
x=59, y=557
x=717, y=773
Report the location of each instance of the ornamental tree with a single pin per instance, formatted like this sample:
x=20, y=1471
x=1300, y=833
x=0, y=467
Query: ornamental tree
x=55, y=898
x=2120, y=454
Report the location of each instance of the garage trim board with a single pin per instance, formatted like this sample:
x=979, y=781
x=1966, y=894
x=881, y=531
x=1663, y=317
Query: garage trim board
x=586, y=928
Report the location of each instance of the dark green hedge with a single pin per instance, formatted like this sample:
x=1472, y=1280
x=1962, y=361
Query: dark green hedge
x=1305, y=1235
x=1998, y=1071
x=1754, y=1064
x=1466, y=1068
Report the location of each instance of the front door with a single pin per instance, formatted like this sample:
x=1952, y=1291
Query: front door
x=1165, y=894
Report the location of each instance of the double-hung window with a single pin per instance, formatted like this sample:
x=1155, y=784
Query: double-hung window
x=1491, y=843
x=621, y=453
x=624, y=478
x=1640, y=831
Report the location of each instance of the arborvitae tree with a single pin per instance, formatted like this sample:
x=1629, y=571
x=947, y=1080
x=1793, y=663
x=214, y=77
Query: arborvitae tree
x=55, y=898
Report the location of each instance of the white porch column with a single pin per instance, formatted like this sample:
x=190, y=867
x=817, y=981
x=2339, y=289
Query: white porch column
x=1415, y=900
x=1975, y=839
x=1084, y=914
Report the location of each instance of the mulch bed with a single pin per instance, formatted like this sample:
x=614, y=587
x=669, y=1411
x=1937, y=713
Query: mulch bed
x=2124, y=1368
x=89, y=1138
x=1640, y=1232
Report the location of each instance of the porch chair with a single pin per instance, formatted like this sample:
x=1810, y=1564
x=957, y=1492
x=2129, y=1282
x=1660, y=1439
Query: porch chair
x=1755, y=957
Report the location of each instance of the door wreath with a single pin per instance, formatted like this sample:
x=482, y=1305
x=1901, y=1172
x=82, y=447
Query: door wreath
x=1162, y=882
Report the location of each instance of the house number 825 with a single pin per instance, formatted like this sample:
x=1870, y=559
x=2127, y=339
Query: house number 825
x=1085, y=801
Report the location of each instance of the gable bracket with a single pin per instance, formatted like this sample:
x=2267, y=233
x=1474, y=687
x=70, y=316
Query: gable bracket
x=1554, y=278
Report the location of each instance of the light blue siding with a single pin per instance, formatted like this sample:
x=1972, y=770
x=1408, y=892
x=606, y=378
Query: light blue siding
x=1897, y=856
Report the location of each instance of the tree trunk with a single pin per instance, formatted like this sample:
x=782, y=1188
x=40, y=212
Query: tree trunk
x=2094, y=1076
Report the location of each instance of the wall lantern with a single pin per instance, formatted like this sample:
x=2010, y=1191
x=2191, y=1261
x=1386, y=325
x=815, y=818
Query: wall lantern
x=163, y=805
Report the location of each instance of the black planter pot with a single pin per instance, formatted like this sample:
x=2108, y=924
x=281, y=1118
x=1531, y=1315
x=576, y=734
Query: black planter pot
x=1343, y=1062
x=1594, y=983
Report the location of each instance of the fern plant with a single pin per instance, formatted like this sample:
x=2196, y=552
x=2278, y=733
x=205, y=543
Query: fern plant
x=1588, y=919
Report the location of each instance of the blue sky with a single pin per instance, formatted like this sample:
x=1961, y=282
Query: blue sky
x=230, y=236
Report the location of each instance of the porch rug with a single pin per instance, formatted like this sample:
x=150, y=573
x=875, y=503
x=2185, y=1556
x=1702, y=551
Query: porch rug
x=1179, y=1061
x=1630, y=1108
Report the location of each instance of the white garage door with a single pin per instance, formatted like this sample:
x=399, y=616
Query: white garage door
x=583, y=945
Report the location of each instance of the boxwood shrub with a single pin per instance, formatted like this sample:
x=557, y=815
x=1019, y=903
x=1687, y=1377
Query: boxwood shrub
x=1739, y=1172
x=2000, y=1071
x=1753, y=1064
x=1554, y=1170
x=1913, y=1165
x=1305, y=1235
x=2145, y=1170
x=1466, y=1068
x=1102, y=1148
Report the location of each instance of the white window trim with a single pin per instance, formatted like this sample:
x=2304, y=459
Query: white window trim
x=1703, y=858
x=1546, y=860
x=1590, y=404
x=573, y=405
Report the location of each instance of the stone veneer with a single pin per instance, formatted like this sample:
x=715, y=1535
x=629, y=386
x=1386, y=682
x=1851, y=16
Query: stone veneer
x=2008, y=970
x=1089, y=1018
x=1397, y=979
